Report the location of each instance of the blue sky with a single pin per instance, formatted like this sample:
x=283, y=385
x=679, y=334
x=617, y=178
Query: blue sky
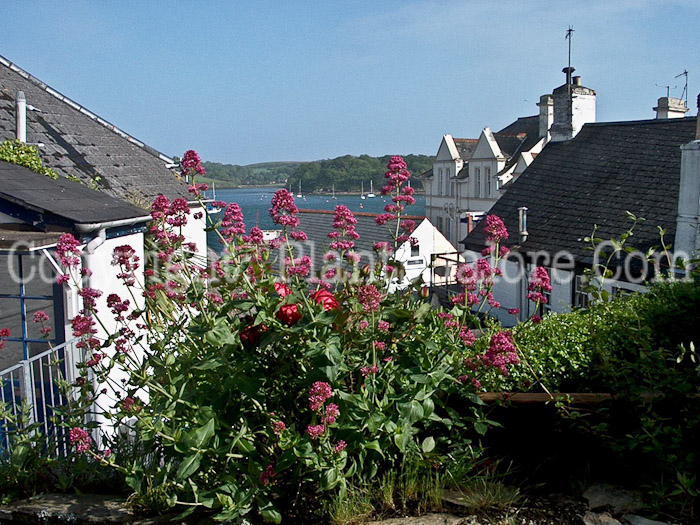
x=247, y=81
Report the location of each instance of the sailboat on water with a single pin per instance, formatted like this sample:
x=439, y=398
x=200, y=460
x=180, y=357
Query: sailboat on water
x=299, y=195
x=210, y=206
x=362, y=192
x=334, y=197
x=371, y=191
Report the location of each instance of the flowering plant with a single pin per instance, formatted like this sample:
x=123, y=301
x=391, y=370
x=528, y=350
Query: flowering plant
x=244, y=384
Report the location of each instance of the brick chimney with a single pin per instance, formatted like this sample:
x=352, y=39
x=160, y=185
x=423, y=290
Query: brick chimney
x=688, y=220
x=574, y=106
x=670, y=107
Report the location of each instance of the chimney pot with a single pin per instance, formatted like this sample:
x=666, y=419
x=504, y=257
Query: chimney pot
x=568, y=72
x=577, y=81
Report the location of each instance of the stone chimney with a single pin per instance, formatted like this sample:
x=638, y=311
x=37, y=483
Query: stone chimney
x=546, y=105
x=688, y=220
x=574, y=106
x=670, y=107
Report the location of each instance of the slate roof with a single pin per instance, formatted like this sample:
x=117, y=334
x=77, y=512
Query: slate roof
x=60, y=202
x=466, y=147
x=318, y=223
x=77, y=142
x=593, y=179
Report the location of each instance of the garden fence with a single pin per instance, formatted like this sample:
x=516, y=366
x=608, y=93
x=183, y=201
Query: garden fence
x=34, y=382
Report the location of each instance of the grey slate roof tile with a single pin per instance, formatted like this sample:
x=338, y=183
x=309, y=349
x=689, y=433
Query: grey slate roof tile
x=77, y=144
x=318, y=223
x=607, y=169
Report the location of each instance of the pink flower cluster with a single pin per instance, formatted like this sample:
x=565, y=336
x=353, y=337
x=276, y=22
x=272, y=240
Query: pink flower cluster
x=495, y=229
x=369, y=297
x=501, y=352
x=232, y=222
x=278, y=427
x=81, y=439
x=315, y=431
x=192, y=164
x=539, y=284
x=319, y=393
x=284, y=211
x=266, y=475
x=68, y=251
x=331, y=413
x=344, y=222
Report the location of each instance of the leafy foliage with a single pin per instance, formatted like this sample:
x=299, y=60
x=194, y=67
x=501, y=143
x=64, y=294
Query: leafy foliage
x=22, y=154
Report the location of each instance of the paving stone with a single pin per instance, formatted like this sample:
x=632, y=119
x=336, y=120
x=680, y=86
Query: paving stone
x=631, y=519
x=67, y=508
x=595, y=518
x=616, y=499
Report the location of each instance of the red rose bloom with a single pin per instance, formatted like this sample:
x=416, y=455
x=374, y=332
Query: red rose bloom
x=289, y=314
x=282, y=289
x=325, y=298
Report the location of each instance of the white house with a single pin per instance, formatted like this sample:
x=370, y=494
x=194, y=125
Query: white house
x=470, y=175
x=650, y=168
x=431, y=259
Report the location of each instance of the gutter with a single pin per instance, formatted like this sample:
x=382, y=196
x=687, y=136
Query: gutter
x=101, y=229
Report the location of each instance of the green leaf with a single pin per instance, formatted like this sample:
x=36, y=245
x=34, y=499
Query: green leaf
x=209, y=364
x=203, y=434
x=189, y=466
x=428, y=444
x=401, y=440
x=480, y=427
x=374, y=445
x=412, y=411
x=329, y=479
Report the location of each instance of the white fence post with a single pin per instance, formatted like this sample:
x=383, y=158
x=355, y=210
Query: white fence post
x=27, y=392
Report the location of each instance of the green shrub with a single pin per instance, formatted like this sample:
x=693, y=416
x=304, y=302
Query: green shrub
x=22, y=154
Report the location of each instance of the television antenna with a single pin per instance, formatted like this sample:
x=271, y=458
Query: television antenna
x=668, y=88
x=685, y=88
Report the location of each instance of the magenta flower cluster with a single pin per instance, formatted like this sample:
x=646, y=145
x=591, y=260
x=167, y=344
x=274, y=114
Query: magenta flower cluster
x=369, y=297
x=495, y=229
x=81, y=439
x=192, y=164
x=539, y=284
x=319, y=393
x=284, y=211
x=344, y=222
x=501, y=352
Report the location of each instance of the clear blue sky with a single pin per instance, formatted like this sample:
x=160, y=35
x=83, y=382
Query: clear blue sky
x=246, y=81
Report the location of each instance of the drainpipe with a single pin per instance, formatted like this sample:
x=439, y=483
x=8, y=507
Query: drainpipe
x=21, y=116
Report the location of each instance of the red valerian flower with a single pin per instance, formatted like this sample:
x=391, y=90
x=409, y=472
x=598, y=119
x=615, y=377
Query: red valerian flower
x=289, y=314
x=282, y=289
x=325, y=298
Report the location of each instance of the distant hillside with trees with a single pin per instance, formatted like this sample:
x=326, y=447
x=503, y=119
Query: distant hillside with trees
x=263, y=174
x=346, y=173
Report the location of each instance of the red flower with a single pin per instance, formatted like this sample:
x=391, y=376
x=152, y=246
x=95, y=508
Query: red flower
x=282, y=289
x=325, y=298
x=289, y=314
x=250, y=335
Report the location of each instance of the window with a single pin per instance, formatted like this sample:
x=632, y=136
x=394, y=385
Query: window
x=415, y=251
x=441, y=183
x=487, y=171
x=439, y=224
x=477, y=191
x=28, y=287
x=580, y=295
